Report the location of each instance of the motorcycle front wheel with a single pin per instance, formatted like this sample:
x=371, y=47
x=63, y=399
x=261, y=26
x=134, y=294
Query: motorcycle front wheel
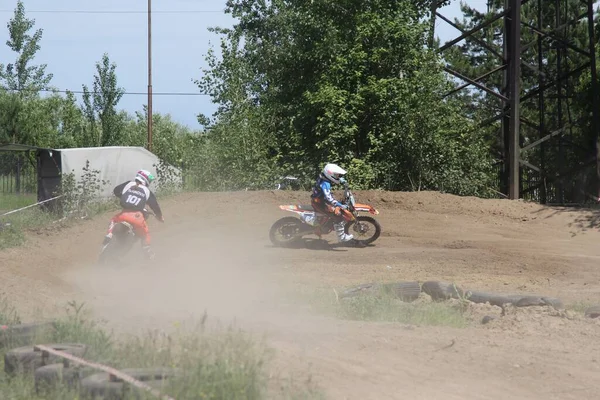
x=286, y=231
x=365, y=229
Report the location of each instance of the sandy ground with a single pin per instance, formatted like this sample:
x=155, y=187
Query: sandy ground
x=214, y=256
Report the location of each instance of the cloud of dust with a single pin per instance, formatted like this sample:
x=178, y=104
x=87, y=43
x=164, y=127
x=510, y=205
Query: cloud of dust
x=220, y=268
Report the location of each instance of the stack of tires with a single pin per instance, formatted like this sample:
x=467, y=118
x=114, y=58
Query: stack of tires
x=50, y=372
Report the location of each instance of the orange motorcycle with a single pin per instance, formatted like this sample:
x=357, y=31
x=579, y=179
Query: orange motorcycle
x=289, y=230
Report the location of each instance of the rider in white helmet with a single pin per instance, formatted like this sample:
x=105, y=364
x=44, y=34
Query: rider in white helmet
x=134, y=196
x=323, y=201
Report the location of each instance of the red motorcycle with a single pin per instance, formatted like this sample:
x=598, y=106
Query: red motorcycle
x=289, y=230
x=123, y=239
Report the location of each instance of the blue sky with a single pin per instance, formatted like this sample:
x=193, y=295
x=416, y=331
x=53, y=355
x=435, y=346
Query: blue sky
x=74, y=41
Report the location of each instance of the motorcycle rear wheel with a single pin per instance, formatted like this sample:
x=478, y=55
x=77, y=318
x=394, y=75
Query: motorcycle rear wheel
x=360, y=226
x=289, y=229
x=107, y=254
x=116, y=248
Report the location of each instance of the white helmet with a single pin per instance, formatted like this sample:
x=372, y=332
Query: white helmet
x=144, y=177
x=333, y=172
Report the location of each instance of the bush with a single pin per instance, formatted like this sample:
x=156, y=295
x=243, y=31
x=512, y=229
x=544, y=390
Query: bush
x=82, y=198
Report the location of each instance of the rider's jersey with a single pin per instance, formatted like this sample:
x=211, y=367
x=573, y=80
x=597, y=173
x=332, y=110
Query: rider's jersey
x=135, y=197
x=322, y=191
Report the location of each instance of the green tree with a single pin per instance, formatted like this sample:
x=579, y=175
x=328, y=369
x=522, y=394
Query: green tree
x=104, y=123
x=473, y=59
x=72, y=125
x=348, y=81
x=20, y=81
x=10, y=108
x=20, y=75
x=168, y=136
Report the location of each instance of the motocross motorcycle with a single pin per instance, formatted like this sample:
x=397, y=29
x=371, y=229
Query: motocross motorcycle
x=289, y=230
x=123, y=239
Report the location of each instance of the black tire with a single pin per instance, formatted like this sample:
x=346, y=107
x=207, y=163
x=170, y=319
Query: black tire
x=518, y=300
x=526, y=301
x=367, y=219
x=23, y=334
x=494, y=299
x=48, y=377
x=440, y=291
x=27, y=360
x=108, y=253
x=291, y=224
x=117, y=247
x=554, y=302
x=114, y=251
x=593, y=312
x=405, y=291
x=101, y=386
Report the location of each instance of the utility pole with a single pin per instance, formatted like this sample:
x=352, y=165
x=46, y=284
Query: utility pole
x=149, y=75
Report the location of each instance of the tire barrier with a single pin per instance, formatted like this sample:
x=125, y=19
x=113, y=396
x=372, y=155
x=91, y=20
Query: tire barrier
x=442, y=291
x=516, y=300
x=27, y=359
x=106, y=386
x=111, y=384
x=44, y=361
x=405, y=291
x=23, y=334
x=51, y=376
x=593, y=312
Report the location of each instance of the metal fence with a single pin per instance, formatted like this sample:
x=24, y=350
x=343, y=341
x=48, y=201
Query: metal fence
x=577, y=189
x=18, y=180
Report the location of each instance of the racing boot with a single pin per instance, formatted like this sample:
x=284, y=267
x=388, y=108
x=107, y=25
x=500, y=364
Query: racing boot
x=109, y=233
x=149, y=254
x=342, y=236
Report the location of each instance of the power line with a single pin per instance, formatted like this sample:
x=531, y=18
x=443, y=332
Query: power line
x=118, y=11
x=125, y=93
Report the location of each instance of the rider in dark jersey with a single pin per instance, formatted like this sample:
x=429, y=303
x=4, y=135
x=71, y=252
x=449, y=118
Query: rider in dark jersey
x=134, y=196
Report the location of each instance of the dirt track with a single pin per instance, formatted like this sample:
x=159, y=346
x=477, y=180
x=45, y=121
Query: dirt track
x=214, y=255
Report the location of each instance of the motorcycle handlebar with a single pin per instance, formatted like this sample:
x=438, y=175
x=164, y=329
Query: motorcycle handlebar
x=148, y=212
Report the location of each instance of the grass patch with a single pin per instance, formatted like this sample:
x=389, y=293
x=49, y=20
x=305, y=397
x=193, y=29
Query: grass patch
x=374, y=308
x=383, y=306
x=13, y=227
x=13, y=201
x=8, y=313
x=219, y=364
x=580, y=306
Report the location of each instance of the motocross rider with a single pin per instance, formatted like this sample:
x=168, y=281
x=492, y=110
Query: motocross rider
x=323, y=201
x=134, y=195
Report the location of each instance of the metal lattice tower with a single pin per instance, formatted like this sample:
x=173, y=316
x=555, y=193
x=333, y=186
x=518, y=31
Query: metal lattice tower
x=520, y=178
